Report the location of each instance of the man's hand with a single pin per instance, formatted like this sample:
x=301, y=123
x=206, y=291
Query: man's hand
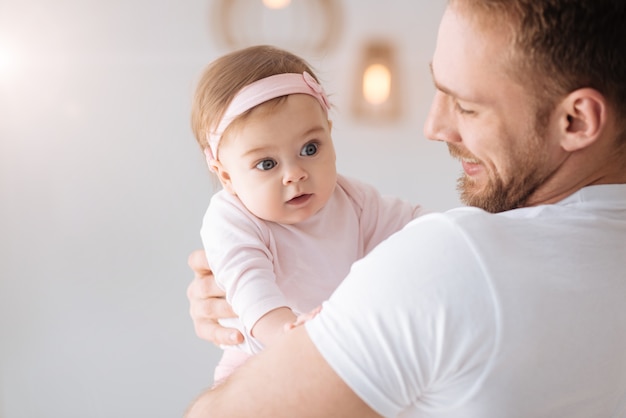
x=207, y=304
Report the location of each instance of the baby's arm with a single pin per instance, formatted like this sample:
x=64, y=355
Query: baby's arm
x=238, y=248
x=272, y=325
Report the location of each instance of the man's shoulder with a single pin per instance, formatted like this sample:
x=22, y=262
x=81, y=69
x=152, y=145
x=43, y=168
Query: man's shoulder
x=470, y=218
x=454, y=218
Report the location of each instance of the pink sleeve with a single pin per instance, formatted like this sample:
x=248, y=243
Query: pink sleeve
x=238, y=248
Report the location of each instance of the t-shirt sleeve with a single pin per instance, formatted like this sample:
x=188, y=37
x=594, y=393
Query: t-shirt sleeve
x=413, y=326
x=237, y=246
x=380, y=215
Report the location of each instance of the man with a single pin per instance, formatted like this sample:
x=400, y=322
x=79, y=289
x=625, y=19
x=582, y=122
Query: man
x=513, y=307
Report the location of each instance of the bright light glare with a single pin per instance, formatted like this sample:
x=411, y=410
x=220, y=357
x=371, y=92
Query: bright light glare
x=276, y=4
x=376, y=84
x=8, y=64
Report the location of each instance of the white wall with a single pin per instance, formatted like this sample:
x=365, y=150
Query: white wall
x=102, y=189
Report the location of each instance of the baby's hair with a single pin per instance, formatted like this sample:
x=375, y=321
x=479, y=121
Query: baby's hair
x=224, y=77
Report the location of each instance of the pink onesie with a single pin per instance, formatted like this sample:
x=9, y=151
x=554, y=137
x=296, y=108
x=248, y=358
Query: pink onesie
x=264, y=265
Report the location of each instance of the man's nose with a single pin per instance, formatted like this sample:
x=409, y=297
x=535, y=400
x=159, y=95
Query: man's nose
x=440, y=124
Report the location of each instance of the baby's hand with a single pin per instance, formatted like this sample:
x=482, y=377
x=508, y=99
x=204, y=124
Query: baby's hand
x=303, y=318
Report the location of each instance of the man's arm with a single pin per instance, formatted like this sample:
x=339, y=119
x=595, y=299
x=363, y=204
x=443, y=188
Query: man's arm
x=289, y=379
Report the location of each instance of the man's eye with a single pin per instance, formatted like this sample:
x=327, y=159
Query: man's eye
x=309, y=149
x=266, y=165
x=462, y=110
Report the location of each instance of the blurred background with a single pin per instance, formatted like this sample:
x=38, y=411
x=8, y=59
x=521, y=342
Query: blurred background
x=102, y=186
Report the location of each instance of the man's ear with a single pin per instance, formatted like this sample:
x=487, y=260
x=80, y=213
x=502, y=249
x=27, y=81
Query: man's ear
x=223, y=176
x=583, y=118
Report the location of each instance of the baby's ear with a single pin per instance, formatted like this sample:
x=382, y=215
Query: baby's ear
x=584, y=118
x=222, y=175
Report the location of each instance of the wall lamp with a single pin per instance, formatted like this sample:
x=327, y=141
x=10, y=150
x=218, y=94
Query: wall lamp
x=376, y=95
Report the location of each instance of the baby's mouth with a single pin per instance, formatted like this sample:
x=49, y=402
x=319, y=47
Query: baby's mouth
x=298, y=200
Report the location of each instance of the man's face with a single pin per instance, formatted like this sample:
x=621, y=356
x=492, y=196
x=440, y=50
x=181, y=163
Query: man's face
x=488, y=120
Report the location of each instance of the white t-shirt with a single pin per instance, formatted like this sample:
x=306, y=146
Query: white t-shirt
x=469, y=314
x=265, y=265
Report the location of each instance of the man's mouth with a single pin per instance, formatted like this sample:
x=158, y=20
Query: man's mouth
x=471, y=165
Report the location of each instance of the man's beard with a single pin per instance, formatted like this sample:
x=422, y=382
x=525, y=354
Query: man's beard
x=497, y=196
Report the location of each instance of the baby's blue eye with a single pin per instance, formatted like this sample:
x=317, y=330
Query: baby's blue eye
x=309, y=149
x=266, y=165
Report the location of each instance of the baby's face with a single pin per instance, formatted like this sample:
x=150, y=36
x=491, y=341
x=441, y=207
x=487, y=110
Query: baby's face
x=281, y=161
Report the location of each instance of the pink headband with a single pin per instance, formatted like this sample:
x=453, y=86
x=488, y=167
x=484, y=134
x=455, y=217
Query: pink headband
x=262, y=91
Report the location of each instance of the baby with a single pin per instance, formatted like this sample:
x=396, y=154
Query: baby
x=285, y=229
